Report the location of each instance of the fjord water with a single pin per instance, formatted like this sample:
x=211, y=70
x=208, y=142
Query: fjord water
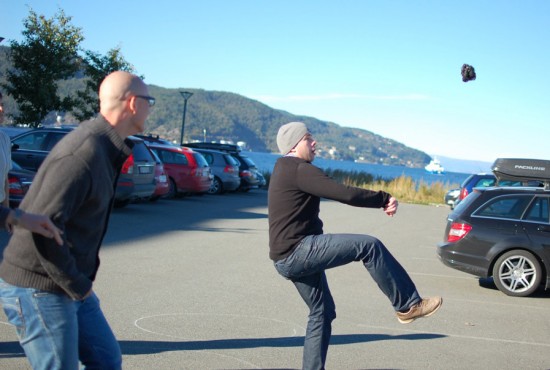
x=266, y=161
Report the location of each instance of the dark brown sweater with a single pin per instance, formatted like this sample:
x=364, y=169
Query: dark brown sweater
x=75, y=187
x=295, y=191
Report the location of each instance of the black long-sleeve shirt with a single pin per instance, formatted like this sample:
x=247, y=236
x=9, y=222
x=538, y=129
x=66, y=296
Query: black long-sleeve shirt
x=295, y=191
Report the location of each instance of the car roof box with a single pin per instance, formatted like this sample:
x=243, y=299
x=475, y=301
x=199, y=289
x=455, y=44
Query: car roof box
x=522, y=170
x=232, y=148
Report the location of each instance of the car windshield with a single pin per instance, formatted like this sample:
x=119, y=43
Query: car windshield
x=485, y=183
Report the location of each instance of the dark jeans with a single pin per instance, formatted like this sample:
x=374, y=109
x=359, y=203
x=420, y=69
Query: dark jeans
x=306, y=266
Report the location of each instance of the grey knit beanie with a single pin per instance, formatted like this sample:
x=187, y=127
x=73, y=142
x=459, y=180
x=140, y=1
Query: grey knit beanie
x=289, y=135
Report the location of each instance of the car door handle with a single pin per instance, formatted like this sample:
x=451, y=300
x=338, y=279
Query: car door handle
x=545, y=229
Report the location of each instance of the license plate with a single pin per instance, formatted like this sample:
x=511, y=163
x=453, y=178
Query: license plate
x=145, y=169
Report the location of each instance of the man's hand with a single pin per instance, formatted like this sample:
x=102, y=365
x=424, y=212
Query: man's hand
x=391, y=207
x=39, y=224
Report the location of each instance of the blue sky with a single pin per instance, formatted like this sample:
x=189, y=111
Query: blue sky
x=390, y=67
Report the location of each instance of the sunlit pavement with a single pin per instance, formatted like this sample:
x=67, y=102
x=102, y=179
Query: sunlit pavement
x=187, y=284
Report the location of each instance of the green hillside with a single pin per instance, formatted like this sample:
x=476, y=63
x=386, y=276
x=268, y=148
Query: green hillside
x=217, y=116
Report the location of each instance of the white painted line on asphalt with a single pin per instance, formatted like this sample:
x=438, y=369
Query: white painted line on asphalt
x=137, y=322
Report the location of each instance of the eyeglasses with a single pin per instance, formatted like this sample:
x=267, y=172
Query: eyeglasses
x=149, y=99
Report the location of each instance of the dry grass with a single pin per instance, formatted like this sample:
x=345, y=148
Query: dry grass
x=406, y=190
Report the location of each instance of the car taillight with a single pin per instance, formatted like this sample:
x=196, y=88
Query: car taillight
x=15, y=187
x=463, y=193
x=246, y=173
x=458, y=231
x=199, y=172
x=229, y=169
x=128, y=166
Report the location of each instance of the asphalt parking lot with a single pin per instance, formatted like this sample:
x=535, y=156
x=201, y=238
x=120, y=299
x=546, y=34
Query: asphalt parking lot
x=187, y=284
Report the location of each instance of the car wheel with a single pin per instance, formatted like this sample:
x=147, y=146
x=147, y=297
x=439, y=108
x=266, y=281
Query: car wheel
x=173, y=189
x=517, y=273
x=216, y=187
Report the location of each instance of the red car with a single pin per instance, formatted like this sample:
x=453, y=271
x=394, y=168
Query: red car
x=19, y=182
x=187, y=170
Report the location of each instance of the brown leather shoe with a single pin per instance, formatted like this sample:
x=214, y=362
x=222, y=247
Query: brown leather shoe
x=426, y=307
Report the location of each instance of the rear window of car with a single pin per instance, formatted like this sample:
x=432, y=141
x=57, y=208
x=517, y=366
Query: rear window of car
x=506, y=207
x=208, y=157
x=171, y=157
x=141, y=153
x=248, y=161
x=201, y=162
x=230, y=160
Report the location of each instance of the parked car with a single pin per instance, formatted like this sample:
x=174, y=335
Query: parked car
x=451, y=197
x=250, y=175
x=247, y=168
x=19, y=180
x=485, y=180
x=187, y=170
x=504, y=232
x=137, y=176
x=30, y=148
x=261, y=179
x=225, y=170
x=474, y=181
x=162, y=186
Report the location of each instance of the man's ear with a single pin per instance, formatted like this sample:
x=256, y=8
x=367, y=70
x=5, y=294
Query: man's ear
x=132, y=104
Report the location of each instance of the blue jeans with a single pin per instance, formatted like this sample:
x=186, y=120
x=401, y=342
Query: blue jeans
x=306, y=266
x=56, y=332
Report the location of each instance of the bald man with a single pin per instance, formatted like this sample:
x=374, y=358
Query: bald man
x=47, y=289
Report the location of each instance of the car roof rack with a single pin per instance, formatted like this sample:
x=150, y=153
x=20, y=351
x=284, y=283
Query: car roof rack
x=522, y=169
x=231, y=148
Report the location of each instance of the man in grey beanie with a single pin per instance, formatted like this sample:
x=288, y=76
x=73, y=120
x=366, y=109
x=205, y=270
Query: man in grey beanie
x=302, y=253
x=289, y=135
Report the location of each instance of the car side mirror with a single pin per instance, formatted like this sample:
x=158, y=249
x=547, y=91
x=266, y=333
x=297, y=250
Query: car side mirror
x=14, y=147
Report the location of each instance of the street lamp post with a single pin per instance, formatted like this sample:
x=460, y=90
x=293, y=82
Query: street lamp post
x=186, y=95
